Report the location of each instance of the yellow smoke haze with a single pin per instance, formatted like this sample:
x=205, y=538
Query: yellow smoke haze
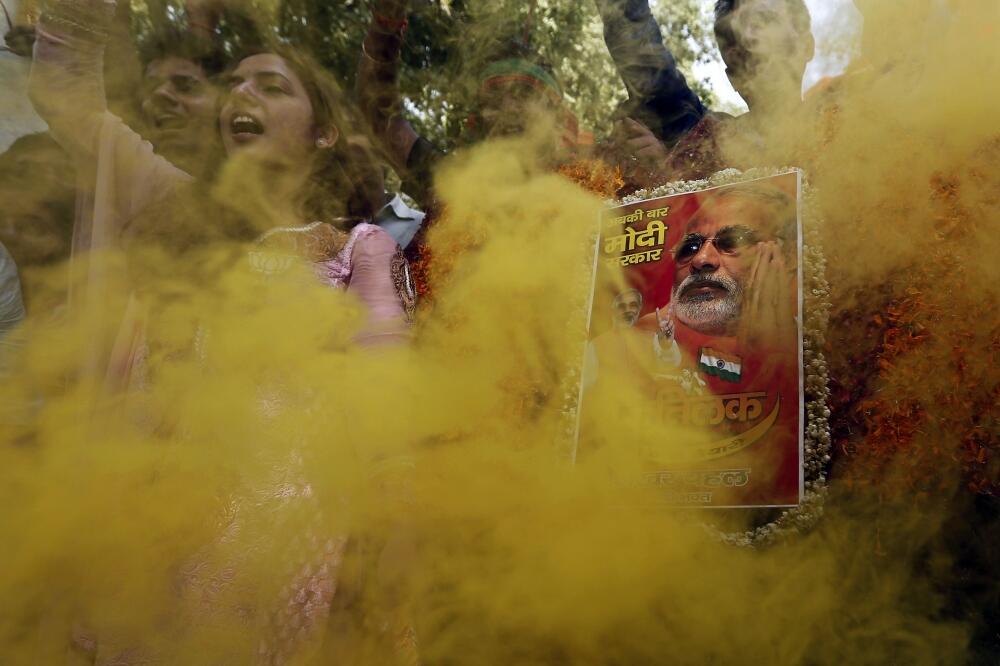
x=169, y=522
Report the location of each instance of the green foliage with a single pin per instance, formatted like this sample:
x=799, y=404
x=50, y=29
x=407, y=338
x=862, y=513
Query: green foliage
x=687, y=31
x=449, y=41
x=567, y=34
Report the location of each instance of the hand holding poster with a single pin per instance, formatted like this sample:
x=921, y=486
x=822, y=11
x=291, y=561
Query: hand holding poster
x=698, y=307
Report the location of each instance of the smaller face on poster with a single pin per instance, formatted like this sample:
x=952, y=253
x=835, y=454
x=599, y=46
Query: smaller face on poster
x=695, y=322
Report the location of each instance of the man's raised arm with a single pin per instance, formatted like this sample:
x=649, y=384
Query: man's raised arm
x=378, y=80
x=658, y=93
x=413, y=157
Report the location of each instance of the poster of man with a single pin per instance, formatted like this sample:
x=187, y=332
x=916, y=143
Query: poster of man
x=696, y=319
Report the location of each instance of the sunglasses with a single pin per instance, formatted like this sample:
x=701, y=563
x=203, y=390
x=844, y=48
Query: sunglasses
x=728, y=241
x=625, y=306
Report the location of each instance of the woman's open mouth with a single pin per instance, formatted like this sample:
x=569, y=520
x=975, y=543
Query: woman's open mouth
x=244, y=127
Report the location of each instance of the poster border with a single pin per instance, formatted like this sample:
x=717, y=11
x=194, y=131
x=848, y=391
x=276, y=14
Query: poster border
x=814, y=307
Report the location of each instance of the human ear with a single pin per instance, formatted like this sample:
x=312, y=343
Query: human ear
x=326, y=137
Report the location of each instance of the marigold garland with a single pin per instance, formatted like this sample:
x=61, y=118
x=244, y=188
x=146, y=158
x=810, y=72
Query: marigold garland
x=925, y=399
x=430, y=267
x=595, y=176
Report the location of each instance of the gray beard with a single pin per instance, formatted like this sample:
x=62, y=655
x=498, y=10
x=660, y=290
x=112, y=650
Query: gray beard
x=713, y=316
x=625, y=322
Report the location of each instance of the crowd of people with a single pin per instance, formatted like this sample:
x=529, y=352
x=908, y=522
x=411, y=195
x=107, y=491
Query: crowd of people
x=198, y=108
x=111, y=173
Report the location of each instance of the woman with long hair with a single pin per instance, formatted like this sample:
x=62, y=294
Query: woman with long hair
x=284, y=121
x=286, y=130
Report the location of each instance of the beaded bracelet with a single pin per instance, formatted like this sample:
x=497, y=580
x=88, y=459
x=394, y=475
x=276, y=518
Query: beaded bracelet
x=93, y=31
x=81, y=17
x=371, y=58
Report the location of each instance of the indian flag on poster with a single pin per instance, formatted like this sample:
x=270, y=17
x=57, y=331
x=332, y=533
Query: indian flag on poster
x=722, y=365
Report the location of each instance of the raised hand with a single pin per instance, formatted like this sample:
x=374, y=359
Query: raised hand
x=766, y=316
x=665, y=323
x=642, y=143
x=637, y=152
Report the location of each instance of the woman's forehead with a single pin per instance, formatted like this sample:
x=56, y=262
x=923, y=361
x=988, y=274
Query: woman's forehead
x=265, y=63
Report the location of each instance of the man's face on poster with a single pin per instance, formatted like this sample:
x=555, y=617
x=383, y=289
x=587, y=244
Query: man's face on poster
x=713, y=260
x=627, y=306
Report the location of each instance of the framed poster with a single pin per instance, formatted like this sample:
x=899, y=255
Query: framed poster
x=696, y=327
